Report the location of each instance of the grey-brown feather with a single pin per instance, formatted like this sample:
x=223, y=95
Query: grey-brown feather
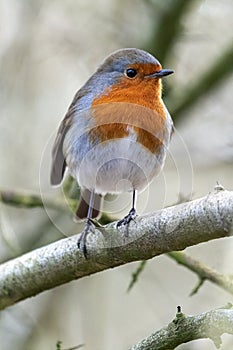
x=58, y=159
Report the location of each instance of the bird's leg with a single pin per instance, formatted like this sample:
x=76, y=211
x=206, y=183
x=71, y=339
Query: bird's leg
x=132, y=214
x=88, y=227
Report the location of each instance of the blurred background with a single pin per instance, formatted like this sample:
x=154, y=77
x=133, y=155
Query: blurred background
x=47, y=51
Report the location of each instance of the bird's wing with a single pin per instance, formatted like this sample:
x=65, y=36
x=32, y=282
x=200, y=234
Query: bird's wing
x=58, y=159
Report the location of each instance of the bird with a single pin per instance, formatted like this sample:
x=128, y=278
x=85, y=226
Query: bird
x=115, y=134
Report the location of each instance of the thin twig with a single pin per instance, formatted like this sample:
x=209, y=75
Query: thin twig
x=136, y=274
x=22, y=199
x=204, y=272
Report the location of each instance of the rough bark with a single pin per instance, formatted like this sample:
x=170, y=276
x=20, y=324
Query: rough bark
x=170, y=229
x=183, y=329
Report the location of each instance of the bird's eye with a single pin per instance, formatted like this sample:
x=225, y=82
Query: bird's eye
x=131, y=73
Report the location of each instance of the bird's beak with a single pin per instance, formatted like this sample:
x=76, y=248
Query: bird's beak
x=162, y=73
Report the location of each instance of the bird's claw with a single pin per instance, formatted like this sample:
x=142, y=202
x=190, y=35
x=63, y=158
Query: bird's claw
x=83, y=237
x=127, y=219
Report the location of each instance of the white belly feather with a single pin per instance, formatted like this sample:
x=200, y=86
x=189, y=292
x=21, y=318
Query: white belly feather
x=113, y=166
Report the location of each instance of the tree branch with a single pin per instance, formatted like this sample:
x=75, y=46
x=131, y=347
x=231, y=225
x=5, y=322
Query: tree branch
x=216, y=74
x=167, y=26
x=170, y=229
x=183, y=329
x=22, y=199
x=203, y=272
x=26, y=199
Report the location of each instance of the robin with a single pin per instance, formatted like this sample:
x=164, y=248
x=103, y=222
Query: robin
x=115, y=134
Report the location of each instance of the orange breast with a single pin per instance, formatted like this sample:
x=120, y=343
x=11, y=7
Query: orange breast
x=130, y=106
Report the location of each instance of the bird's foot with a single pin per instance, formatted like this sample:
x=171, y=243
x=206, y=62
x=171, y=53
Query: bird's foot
x=127, y=219
x=89, y=228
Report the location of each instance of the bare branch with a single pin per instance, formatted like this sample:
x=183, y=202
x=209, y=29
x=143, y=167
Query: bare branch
x=167, y=26
x=22, y=199
x=26, y=199
x=210, y=79
x=204, y=272
x=170, y=229
x=183, y=329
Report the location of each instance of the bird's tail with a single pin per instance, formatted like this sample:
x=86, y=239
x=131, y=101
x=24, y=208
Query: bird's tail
x=82, y=210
